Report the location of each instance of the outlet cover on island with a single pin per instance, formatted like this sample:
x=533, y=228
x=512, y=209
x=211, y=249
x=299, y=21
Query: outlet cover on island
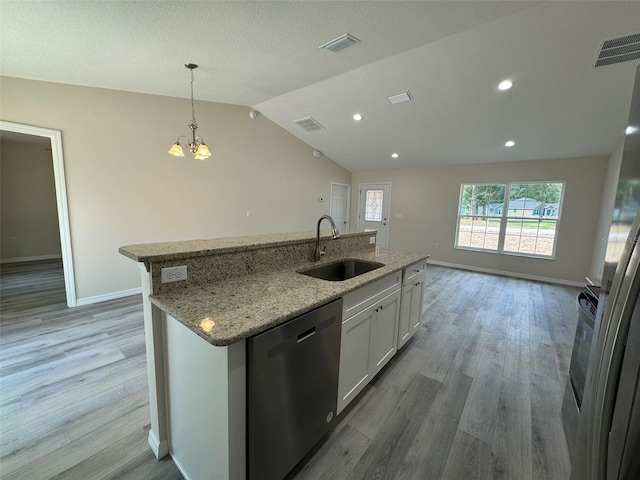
x=173, y=274
x=372, y=240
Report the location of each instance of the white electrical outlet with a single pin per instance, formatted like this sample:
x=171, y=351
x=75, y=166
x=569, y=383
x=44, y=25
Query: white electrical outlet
x=372, y=240
x=173, y=274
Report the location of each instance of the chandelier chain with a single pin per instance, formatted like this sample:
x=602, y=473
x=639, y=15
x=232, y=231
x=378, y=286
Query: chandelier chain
x=193, y=112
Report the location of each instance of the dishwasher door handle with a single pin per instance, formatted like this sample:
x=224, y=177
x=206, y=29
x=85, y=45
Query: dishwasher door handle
x=308, y=334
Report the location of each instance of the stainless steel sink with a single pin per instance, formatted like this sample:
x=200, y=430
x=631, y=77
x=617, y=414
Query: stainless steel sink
x=341, y=270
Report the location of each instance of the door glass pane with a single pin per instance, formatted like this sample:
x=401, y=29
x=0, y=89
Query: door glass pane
x=373, y=205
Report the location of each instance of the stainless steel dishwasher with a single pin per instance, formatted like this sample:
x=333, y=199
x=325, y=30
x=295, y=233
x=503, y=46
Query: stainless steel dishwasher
x=292, y=390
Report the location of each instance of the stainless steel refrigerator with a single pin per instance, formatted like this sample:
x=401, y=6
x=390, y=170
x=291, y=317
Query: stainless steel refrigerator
x=607, y=442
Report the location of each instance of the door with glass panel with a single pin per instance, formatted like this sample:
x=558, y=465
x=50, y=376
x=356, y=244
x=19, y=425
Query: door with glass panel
x=373, y=210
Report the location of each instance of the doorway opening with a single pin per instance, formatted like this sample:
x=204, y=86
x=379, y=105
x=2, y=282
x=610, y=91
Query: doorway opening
x=55, y=138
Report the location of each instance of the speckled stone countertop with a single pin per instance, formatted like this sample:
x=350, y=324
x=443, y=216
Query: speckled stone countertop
x=154, y=252
x=228, y=311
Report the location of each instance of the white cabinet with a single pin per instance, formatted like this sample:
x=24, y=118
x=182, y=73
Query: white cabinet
x=411, y=303
x=369, y=334
x=385, y=330
x=354, y=356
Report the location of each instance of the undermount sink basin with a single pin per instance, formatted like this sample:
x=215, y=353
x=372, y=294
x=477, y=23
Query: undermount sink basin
x=341, y=270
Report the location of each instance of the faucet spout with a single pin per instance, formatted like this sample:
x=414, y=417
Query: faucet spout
x=334, y=232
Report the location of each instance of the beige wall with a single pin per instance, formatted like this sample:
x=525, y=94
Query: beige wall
x=428, y=199
x=124, y=188
x=606, y=211
x=29, y=216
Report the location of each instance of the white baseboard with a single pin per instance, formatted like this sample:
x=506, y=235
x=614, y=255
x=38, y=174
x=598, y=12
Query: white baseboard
x=35, y=258
x=160, y=449
x=179, y=465
x=108, y=296
x=524, y=276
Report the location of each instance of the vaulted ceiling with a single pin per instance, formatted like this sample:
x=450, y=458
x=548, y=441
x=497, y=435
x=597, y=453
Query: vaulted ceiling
x=450, y=56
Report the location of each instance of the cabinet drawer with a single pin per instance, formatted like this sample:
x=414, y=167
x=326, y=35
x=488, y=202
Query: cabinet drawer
x=413, y=271
x=366, y=296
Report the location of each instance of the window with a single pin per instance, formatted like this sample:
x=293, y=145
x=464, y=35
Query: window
x=514, y=218
x=373, y=206
x=480, y=216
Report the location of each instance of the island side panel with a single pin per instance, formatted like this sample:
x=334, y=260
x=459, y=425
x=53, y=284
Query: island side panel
x=206, y=405
x=154, y=343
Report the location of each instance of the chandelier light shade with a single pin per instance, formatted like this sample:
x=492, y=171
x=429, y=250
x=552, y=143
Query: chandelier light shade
x=194, y=144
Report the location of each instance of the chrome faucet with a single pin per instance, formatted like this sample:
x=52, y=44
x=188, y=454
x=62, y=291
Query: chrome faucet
x=334, y=231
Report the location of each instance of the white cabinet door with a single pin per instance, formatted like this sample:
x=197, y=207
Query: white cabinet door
x=416, y=306
x=354, y=356
x=384, y=332
x=410, y=310
x=405, y=322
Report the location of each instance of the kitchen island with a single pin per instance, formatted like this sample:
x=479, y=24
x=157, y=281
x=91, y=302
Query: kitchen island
x=196, y=328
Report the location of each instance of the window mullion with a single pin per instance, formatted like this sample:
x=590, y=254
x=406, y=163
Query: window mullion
x=503, y=219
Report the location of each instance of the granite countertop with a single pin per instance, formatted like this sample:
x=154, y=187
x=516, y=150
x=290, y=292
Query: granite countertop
x=199, y=248
x=228, y=311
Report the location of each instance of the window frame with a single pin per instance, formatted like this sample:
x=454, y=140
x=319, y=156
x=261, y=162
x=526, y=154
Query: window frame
x=504, y=218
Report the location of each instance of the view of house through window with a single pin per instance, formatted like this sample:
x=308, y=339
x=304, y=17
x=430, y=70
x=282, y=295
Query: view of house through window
x=518, y=218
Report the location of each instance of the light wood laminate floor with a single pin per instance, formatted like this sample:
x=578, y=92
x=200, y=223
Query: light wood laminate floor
x=74, y=400
x=476, y=394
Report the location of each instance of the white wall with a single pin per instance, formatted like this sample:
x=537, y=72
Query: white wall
x=29, y=216
x=428, y=199
x=124, y=188
x=606, y=211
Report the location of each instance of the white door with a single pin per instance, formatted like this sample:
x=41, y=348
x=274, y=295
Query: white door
x=373, y=210
x=340, y=194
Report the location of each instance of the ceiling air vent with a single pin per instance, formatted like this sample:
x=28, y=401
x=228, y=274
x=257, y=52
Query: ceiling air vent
x=399, y=97
x=340, y=43
x=618, y=50
x=308, y=124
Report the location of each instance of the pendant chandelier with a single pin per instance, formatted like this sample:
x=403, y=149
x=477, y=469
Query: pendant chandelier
x=195, y=144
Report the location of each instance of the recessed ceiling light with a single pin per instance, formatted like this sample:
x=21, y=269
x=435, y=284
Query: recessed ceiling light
x=510, y=143
x=505, y=85
x=357, y=117
x=630, y=130
x=394, y=155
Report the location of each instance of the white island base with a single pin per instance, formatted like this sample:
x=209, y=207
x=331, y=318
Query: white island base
x=205, y=404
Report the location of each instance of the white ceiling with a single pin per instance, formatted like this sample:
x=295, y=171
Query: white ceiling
x=449, y=54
